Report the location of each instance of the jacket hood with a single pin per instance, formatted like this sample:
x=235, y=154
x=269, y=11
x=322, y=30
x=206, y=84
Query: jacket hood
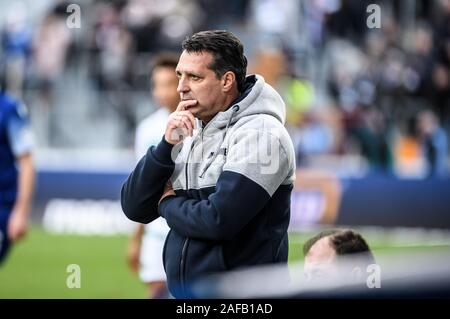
x=258, y=98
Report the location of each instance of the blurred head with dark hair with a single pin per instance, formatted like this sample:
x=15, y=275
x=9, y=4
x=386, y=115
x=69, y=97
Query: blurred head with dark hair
x=335, y=253
x=164, y=80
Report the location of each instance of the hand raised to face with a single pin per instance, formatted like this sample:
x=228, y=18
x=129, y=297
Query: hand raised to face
x=181, y=123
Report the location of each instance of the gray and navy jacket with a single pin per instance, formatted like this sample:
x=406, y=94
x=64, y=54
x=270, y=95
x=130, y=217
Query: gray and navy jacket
x=232, y=179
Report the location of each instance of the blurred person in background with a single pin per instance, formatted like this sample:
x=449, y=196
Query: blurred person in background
x=434, y=143
x=314, y=136
x=146, y=244
x=113, y=51
x=407, y=151
x=441, y=71
x=311, y=130
x=16, y=172
x=272, y=63
x=323, y=253
x=374, y=138
x=16, y=39
x=50, y=47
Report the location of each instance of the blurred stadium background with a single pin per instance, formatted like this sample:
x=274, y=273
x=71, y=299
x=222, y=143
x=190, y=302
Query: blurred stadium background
x=368, y=112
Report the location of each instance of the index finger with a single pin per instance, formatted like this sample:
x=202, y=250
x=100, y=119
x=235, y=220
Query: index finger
x=182, y=105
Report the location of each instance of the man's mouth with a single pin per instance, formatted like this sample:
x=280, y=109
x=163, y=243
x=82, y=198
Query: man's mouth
x=189, y=106
x=185, y=98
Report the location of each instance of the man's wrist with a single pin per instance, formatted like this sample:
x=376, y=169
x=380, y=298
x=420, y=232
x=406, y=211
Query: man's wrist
x=22, y=210
x=165, y=140
x=163, y=151
x=165, y=197
x=162, y=202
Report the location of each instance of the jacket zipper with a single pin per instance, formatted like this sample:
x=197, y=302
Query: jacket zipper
x=186, y=240
x=182, y=265
x=186, y=166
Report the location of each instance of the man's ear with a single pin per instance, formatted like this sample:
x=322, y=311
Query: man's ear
x=228, y=80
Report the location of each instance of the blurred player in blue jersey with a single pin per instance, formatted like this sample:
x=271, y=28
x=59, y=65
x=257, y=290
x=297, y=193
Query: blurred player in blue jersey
x=16, y=172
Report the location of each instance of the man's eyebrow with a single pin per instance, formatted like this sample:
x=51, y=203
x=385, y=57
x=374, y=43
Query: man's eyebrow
x=188, y=73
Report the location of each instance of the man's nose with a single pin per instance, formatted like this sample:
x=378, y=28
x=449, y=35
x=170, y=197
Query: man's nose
x=182, y=86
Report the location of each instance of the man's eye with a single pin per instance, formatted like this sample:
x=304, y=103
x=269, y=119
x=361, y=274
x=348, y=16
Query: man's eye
x=195, y=78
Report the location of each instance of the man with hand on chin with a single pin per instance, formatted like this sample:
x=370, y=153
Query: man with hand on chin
x=223, y=173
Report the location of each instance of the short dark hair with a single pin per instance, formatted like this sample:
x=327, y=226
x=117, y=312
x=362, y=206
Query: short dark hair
x=227, y=51
x=165, y=60
x=344, y=242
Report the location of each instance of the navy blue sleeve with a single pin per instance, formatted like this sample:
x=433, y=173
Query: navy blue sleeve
x=143, y=189
x=235, y=202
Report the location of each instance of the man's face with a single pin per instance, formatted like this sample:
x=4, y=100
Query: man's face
x=198, y=82
x=320, y=261
x=165, y=82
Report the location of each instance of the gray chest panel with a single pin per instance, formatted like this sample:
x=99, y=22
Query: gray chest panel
x=192, y=160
